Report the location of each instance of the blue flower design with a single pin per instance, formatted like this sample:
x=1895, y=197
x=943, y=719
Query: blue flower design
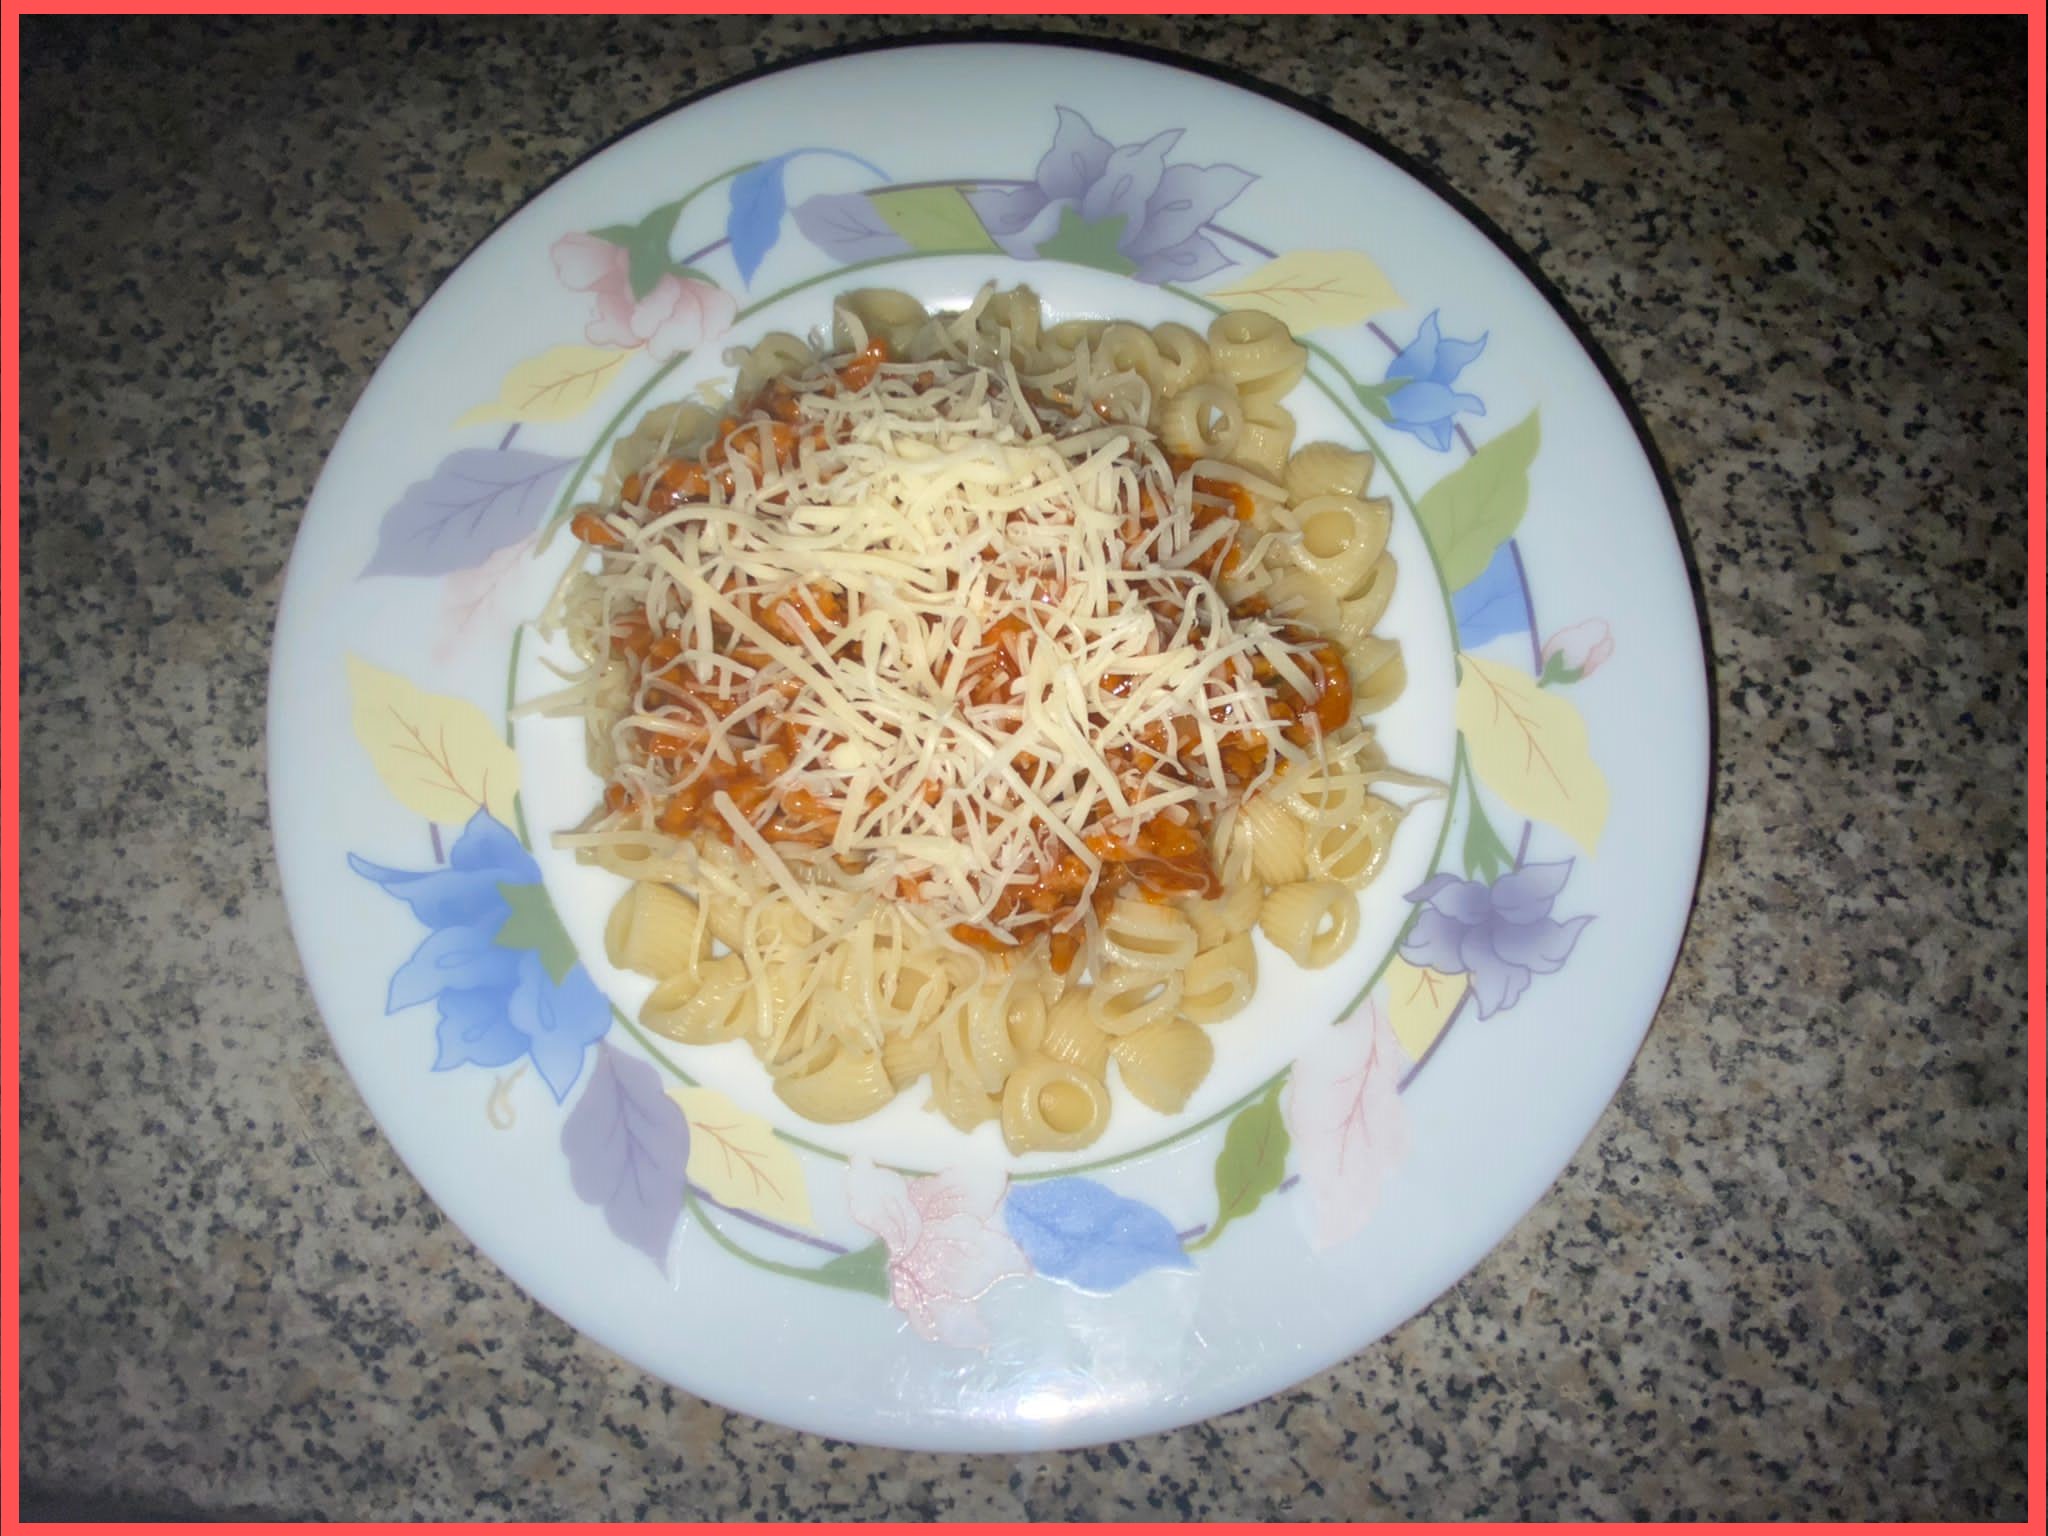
x=1500, y=934
x=1086, y=1234
x=1416, y=396
x=498, y=1002
x=1091, y=195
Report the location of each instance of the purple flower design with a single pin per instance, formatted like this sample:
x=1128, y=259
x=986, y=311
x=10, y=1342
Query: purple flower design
x=1121, y=204
x=498, y=1002
x=1500, y=934
x=1416, y=396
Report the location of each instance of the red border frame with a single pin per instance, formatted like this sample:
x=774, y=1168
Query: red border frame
x=10, y=765
x=2036, y=1328
x=2037, y=784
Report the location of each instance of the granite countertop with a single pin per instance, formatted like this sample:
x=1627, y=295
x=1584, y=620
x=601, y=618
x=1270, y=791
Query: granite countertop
x=1784, y=1277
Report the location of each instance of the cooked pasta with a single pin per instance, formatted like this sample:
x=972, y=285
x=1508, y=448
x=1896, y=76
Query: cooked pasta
x=1184, y=358
x=1164, y=1062
x=875, y=315
x=1128, y=997
x=1308, y=596
x=1323, y=469
x=1341, y=539
x=1352, y=851
x=1358, y=616
x=700, y=1007
x=960, y=1098
x=1221, y=980
x=1254, y=351
x=1147, y=935
x=1266, y=440
x=968, y=692
x=1053, y=1106
x=1235, y=912
x=1071, y=1035
x=908, y=1055
x=1279, y=840
x=1310, y=921
x=1381, y=673
x=1203, y=421
x=840, y=1084
x=657, y=931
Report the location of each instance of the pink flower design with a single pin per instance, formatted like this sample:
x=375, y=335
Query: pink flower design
x=471, y=598
x=1578, y=650
x=675, y=315
x=1343, y=1109
x=944, y=1249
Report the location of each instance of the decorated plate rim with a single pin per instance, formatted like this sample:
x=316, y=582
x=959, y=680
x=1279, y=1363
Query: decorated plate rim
x=1086, y=1236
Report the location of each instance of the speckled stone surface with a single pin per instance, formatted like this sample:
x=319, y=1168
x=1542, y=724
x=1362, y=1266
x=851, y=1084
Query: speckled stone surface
x=1783, y=1278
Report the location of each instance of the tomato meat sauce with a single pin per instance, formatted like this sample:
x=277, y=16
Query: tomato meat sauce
x=1161, y=859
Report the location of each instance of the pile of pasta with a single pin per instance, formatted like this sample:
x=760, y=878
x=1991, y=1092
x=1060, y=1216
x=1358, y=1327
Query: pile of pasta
x=968, y=690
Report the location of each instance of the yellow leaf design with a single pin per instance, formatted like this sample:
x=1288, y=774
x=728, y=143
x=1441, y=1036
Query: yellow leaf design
x=1528, y=745
x=1309, y=290
x=1419, y=1003
x=552, y=387
x=440, y=756
x=738, y=1160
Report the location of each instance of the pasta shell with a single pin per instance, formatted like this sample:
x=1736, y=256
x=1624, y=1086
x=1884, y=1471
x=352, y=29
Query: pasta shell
x=1183, y=357
x=1147, y=934
x=1341, y=538
x=1378, y=674
x=907, y=1057
x=888, y=313
x=1279, y=840
x=961, y=1100
x=974, y=1036
x=701, y=1008
x=1127, y=998
x=1356, y=616
x=1353, y=851
x=1202, y=421
x=846, y=1086
x=1311, y=921
x=1220, y=981
x=1071, y=1035
x=1235, y=912
x=1323, y=469
x=1026, y=1016
x=657, y=931
x=1164, y=1063
x=1051, y=1106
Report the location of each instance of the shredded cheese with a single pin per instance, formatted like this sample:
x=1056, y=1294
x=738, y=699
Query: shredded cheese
x=982, y=629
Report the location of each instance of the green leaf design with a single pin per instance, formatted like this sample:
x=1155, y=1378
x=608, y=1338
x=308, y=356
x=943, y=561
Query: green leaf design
x=1557, y=671
x=1374, y=398
x=1485, y=854
x=646, y=243
x=1089, y=245
x=1252, y=1162
x=646, y=246
x=932, y=219
x=533, y=925
x=1471, y=510
x=864, y=1270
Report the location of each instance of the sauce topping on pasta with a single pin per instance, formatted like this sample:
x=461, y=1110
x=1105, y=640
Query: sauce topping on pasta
x=926, y=630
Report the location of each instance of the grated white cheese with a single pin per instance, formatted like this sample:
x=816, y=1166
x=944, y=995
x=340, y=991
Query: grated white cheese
x=981, y=658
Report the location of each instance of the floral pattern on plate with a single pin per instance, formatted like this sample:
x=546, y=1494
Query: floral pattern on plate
x=502, y=976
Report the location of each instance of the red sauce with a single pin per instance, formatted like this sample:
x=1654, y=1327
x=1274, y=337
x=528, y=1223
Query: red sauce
x=1163, y=860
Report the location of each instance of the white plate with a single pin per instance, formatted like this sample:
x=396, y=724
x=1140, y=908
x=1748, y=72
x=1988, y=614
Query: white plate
x=1368, y=1131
